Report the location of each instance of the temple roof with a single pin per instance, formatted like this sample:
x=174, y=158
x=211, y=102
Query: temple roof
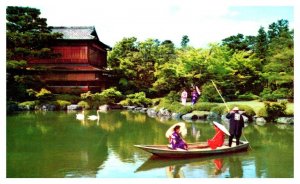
x=79, y=33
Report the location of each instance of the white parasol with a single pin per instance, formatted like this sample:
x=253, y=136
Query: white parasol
x=183, y=130
x=221, y=127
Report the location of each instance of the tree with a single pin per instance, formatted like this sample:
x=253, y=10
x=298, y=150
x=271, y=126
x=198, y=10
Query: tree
x=239, y=42
x=261, y=45
x=184, y=41
x=277, y=28
x=27, y=37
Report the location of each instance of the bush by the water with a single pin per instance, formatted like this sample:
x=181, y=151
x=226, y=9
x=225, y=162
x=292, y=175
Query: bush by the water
x=174, y=106
x=204, y=106
x=173, y=96
x=137, y=99
x=275, y=110
x=108, y=96
x=262, y=112
x=62, y=104
x=74, y=99
x=83, y=104
x=28, y=105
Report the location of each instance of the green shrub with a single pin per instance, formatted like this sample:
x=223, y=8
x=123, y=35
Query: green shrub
x=262, y=112
x=83, y=104
x=30, y=104
x=204, y=106
x=275, y=110
x=173, y=96
x=74, y=99
x=138, y=99
x=44, y=95
x=62, y=104
x=220, y=109
x=248, y=96
x=156, y=101
x=108, y=96
x=269, y=95
x=124, y=102
x=184, y=109
x=209, y=93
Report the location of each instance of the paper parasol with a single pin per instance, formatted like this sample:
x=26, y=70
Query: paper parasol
x=221, y=127
x=183, y=130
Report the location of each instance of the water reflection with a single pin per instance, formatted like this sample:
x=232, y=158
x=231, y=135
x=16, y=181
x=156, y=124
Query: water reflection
x=174, y=171
x=56, y=144
x=228, y=165
x=218, y=166
x=235, y=167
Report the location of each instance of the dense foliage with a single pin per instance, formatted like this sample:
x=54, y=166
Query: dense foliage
x=243, y=67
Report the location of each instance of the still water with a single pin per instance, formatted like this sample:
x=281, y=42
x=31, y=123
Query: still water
x=57, y=145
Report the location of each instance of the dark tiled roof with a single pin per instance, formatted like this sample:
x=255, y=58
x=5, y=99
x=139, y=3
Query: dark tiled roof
x=77, y=33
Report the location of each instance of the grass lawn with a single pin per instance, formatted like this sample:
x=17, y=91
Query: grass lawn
x=256, y=105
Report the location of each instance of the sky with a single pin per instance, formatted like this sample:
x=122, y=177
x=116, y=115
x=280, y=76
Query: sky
x=203, y=22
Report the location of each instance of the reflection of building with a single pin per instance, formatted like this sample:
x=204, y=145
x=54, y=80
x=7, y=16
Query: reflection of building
x=82, y=63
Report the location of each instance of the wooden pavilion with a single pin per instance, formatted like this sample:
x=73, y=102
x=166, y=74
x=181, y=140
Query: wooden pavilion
x=81, y=66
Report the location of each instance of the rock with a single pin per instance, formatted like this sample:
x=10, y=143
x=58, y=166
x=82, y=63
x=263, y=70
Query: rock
x=48, y=107
x=201, y=114
x=176, y=115
x=164, y=112
x=144, y=110
x=104, y=108
x=73, y=107
x=189, y=116
x=260, y=121
x=213, y=116
x=137, y=109
x=131, y=107
x=151, y=112
x=285, y=120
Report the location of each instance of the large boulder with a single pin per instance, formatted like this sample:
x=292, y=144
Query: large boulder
x=73, y=107
x=176, y=115
x=213, y=116
x=104, y=108
x=260, y=121
x=285, y=120
x=151, y=112
x=164, y=112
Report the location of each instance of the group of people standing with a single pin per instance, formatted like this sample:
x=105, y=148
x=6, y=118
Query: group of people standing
x=194, y=95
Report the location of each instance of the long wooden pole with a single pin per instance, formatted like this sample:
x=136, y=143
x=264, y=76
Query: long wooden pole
x=227, y=106
x=220, y=95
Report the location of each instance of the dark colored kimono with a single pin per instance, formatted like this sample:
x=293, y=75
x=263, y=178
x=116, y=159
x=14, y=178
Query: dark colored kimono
x=236, y=124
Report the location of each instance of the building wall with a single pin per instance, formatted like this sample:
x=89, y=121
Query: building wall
x=71, y=54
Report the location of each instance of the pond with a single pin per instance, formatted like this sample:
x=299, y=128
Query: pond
x=57, y=145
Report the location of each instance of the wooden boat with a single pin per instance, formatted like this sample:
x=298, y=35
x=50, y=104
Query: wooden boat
x=199, y=149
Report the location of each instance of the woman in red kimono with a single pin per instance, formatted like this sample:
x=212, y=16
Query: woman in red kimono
x=218, y=139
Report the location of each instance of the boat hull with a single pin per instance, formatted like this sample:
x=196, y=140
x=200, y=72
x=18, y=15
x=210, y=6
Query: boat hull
x=195, y=150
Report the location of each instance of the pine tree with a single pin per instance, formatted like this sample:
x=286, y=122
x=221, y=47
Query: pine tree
x=261, y=45
x=27, y=37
